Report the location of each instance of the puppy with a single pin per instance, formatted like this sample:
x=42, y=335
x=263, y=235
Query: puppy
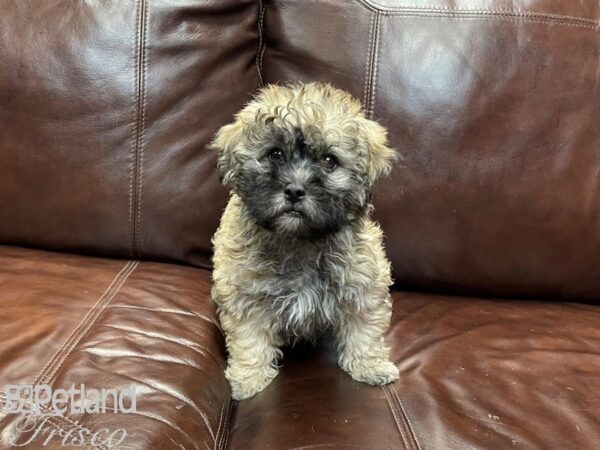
x=297, y=252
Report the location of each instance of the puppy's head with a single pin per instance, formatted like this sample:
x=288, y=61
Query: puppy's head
x=303, y=159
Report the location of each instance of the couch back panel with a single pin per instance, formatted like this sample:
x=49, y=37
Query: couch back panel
x=566, y=9
x=495, y=105
x=105, y=111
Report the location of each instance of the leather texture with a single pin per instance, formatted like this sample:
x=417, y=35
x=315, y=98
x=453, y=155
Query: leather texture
x=494, y=105
x=72, y=320
x=106, y=109
x=474, y=374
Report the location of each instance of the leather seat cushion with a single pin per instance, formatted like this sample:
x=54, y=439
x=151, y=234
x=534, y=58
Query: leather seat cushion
x=474, y=373
x=71, y=320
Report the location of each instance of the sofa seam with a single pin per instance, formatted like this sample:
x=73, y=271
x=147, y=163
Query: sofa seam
x=367, y=78
x=52, y=361
x=395, y=416
x=56, y=362
x=142, y=125
x=102, y=306
x=499, y=18
x=218, y=435
x=377, y=39
x=125, y=276
x=138, y=126
x=370, y=88
x=402, y=410
x=391, y=10
x=132, y=150
x=227, y=430
x=223, y=438
x=262, y=44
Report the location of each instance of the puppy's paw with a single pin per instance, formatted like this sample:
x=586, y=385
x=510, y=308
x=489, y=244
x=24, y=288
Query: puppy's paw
x=376, y=372
x=246, y=383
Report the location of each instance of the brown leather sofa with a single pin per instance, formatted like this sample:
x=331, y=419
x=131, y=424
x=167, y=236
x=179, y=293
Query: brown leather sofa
x=108, y=199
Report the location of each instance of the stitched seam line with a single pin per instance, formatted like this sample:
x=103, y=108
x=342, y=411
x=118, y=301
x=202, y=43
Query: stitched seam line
x=55, y=363
x=227, y=425
x=499, y=18
x=109, y=298
x=373, y=6
x=142, y=131
x=134, y=125
x=402, y=410
x=370, y=87
x=135, y=185
x=218, y=435
x=367, y=82
x=377, y=39
x=262, y=44
x=222, y=438
x=52, y=361
x=47, y=379
x=395, y=415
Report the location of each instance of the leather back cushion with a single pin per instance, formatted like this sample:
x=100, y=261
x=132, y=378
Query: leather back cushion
x=105, y=111
x=495, y=105
x=106, y=107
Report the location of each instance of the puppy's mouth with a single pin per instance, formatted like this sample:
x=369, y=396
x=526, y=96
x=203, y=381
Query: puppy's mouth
x=291, y=221
x=293, y=212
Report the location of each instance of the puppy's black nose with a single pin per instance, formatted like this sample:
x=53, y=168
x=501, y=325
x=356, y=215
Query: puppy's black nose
x=294, y=193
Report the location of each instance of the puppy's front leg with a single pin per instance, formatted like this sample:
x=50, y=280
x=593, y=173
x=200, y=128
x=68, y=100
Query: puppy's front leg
x=253, y=350
x=362, y=350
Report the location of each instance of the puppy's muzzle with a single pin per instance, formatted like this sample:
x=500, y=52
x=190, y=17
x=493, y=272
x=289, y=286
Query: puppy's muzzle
x=294, y=193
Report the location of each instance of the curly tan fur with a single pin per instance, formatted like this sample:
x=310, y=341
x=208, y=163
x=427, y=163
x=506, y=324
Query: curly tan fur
x=278, y=279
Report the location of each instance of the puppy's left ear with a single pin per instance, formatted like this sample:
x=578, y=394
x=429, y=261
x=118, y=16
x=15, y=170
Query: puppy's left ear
x=225, y=144
x=380, y=156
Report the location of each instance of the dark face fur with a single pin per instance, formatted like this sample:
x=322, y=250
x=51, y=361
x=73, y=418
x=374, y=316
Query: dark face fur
x=299, y=185
x=303, y=159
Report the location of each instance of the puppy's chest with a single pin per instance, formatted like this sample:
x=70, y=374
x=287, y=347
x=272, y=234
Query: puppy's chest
x=306, y=281
x=304, y=297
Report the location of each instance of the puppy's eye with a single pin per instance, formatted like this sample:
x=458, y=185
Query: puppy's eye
x=330, y=162
x=276, y=155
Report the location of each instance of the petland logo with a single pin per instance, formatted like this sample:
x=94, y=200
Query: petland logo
x=45, y=414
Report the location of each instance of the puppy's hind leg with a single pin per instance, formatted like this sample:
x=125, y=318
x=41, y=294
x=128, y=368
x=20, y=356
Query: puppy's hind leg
x=253, y=350
x=362, y=350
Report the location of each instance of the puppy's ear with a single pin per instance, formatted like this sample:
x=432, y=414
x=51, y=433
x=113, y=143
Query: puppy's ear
x=380, y=156
x=225, y=143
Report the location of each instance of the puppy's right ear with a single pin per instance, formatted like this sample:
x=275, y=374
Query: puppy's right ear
x=225, y=143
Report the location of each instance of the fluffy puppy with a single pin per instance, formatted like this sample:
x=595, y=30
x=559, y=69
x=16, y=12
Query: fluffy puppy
x=297, y=252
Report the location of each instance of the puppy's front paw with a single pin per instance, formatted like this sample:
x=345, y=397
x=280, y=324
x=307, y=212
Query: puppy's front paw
x=377, y=372
x=246, y=383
